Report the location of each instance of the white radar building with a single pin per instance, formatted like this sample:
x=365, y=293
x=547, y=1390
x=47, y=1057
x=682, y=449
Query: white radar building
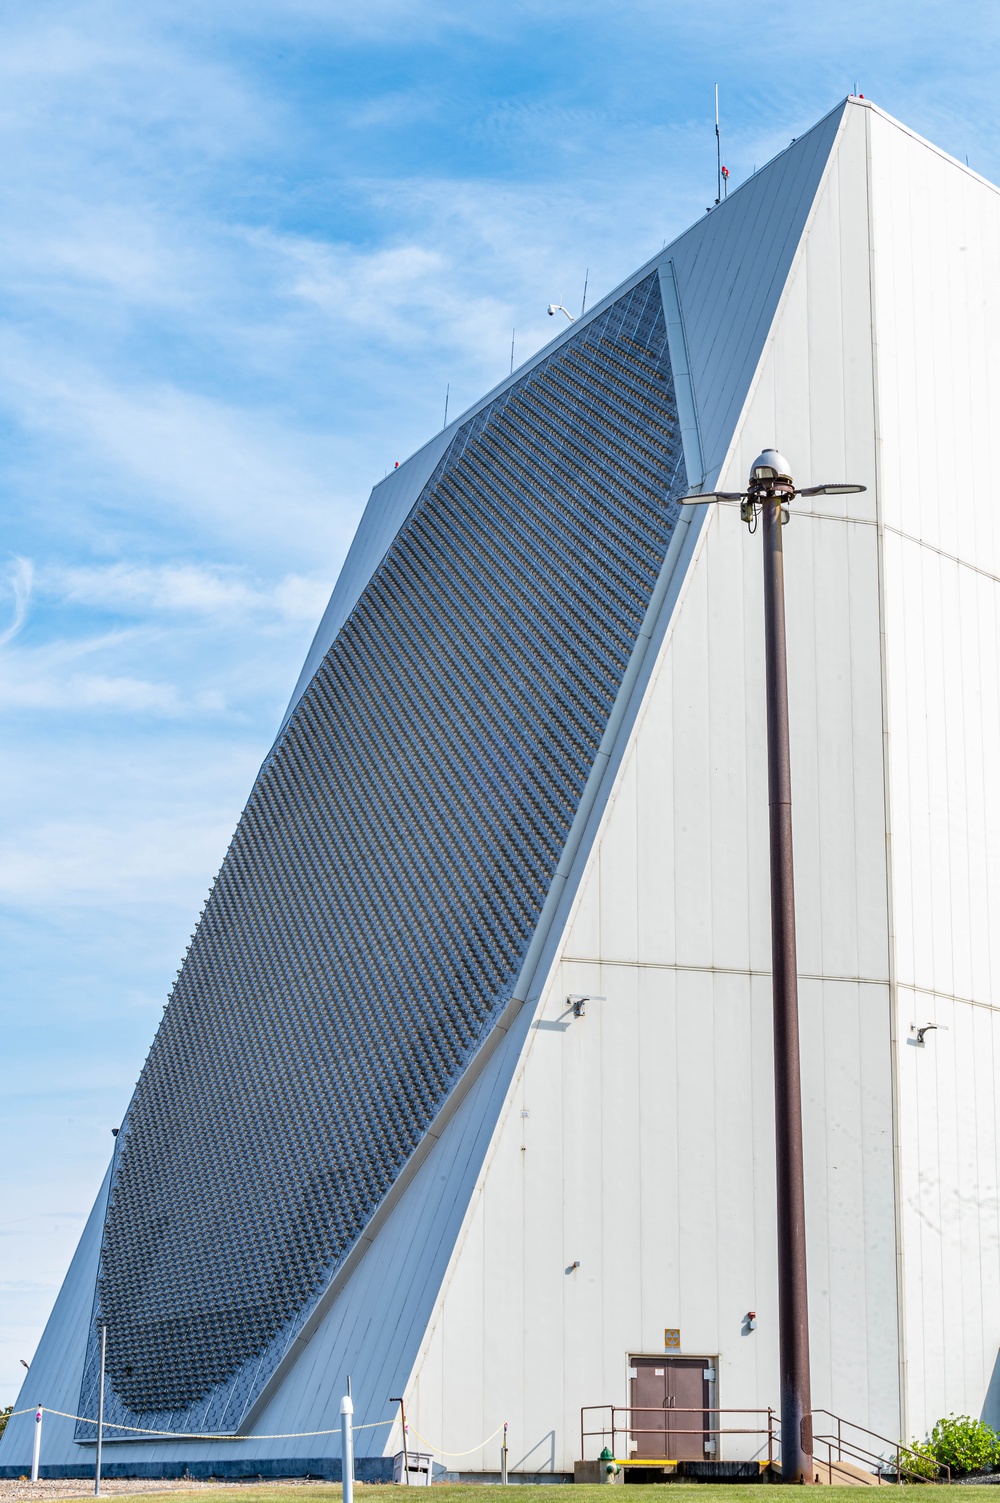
x=465, y=1086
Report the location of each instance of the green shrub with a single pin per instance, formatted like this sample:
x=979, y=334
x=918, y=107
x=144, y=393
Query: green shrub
x=5, y=1415
x=962, y=1443
x=921, y=1464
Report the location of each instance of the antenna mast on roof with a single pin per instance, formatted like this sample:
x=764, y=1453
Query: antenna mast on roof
x=721, y=170
x=718, y=151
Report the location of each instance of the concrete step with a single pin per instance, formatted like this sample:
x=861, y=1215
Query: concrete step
x=845, y=1474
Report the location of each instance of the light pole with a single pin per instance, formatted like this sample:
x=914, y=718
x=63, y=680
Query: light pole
x=767, y=497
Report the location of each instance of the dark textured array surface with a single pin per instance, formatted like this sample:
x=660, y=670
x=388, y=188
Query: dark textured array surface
x=380, y=892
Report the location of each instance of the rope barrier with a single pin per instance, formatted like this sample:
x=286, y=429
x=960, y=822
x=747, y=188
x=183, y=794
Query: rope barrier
x=195, y=1435
x=440, y=1452
x=84, y=1419
x=288, y=1435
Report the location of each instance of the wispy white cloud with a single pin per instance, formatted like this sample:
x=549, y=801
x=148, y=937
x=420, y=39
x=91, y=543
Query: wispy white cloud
x=90, y=691
x=57, y=676
x=20, y=579
x=230, y=470
x=405, y=293
x=94, y=863
x=187, y=589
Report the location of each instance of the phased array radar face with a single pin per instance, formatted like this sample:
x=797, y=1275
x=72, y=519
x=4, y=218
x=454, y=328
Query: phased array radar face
x=374, y=909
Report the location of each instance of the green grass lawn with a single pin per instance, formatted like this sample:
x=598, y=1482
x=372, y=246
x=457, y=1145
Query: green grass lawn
x=553, y=1492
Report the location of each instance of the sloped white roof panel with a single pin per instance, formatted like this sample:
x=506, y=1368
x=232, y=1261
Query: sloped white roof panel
x=730, y=270
x=749, y=240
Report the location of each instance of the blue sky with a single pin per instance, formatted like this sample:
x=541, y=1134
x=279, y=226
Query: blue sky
x=245, y=247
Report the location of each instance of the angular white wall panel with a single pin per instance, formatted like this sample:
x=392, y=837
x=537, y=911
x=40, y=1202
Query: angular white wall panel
x=936, y=229
x=950, y=1125
x=936, y=247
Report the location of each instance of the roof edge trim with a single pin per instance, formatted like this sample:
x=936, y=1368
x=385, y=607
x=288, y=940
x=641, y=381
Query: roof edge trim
x=687, y=407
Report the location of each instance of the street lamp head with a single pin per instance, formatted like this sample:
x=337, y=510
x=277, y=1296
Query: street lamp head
x=770, y=479
x=770, y=466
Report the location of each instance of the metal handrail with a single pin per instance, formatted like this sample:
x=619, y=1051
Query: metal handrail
x=855, y=1449
x=628, y=1428
x=863, y=1453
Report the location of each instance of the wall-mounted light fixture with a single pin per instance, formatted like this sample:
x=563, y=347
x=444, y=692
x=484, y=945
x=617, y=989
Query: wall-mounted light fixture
x=918, y=1030
x=578, y=1001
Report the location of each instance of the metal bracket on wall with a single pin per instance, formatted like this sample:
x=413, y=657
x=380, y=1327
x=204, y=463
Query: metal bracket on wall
x=578, y=1001
x=919, y=1030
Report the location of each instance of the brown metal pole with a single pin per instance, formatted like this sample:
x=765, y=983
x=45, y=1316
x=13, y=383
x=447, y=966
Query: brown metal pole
x=406, y=1453
x=793, y=1308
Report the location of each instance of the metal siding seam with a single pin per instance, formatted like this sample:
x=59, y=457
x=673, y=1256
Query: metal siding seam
x=897, y=1168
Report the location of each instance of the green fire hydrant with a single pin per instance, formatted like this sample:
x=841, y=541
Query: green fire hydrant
x=609, y=1471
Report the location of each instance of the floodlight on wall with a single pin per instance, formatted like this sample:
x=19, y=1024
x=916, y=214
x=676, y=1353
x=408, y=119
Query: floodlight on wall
x=555, y=308
x=769, y=491
x=920, y=1029
x=578, y=1001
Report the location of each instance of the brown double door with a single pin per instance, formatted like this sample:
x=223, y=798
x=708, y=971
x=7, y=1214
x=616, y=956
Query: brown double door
x=669, y=1397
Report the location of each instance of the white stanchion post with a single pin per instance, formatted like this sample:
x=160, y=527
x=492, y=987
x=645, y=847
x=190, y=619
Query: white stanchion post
x=37, y=1449
x=347, y=1447
x=100, y=1414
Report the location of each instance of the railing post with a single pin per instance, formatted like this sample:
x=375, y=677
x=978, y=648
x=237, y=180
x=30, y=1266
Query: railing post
x=100, y=1412
x=347, y=1448
x=36, y=1449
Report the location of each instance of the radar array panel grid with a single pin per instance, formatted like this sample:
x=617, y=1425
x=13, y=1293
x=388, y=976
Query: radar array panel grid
x=375, y=906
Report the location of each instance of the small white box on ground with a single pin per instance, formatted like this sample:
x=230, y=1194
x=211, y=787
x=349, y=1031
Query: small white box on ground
x=419, y=1468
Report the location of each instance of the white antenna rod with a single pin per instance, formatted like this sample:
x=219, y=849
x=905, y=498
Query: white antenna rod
x=512, y=333
x=583, y=305
x=447, y=393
